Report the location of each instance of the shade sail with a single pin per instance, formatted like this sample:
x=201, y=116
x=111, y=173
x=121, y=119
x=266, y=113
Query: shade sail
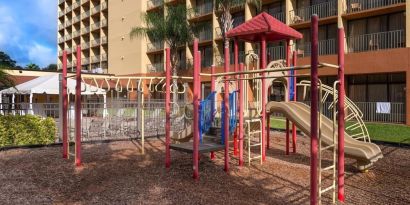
x=264, y=25
x=49, y=84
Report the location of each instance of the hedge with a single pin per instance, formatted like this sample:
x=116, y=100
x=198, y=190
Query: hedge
x=26, y=130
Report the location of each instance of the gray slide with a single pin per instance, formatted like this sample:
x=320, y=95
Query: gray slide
x=364, y=152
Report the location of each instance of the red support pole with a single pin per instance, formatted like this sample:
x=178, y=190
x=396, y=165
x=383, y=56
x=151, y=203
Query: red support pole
x=268, y=128
x=287, y=120
x=195, y=154
x=213, y=90
x=294, y=99
x=314, y=113
x=341, y=116
x=64, y=106
x=241, y=101
x=263, y=66
x=167, y=108
x=78, y=109
x=226, y=105
x=235, y=137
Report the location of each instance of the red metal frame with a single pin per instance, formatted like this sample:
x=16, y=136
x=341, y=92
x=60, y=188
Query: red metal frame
x=314, y=112
x=167, y=108
x=294, y=59
x=78, y=109
x=341, y=116
x=287, y=120
x=263, y=66
x=235, y=136
x=64, y=106
x=213, y=90
x=241, y=117
x=195, y=154
x=226, y=105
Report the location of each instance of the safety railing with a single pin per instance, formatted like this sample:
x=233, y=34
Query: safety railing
x=155, y=46
x=279, y=15
x=325, y=47
x=376, y=41
x=205, y=35
x=206, y=61
x=361, y=5
x=156, y=67
x=323, y=10
x=232, y=115
x=276, y=52
x=39, y=109
x=371, y=113
x=206, y=114
x=203, y=9
x=154, y=3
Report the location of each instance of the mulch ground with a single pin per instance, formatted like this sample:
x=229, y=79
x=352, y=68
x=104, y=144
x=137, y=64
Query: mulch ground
x=116, y=173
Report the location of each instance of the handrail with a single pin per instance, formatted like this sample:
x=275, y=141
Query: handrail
x=206, y=114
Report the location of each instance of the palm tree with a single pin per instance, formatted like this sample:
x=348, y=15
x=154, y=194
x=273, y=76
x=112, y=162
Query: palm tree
x=173, y=28
x=224, y=15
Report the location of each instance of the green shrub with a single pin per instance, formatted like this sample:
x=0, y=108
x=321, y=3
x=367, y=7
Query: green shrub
x=26, y=130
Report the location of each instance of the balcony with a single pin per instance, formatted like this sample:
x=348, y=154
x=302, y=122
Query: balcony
x=60, y=13
x=323, y=10
x=85, y=30
x=155, y=68
x=95, y=26
x=76, y=34
x=206, y=61
x=156, y=46
x=61, y=26
x=76, y=4
x=60, y=40
x=325, y=47
x=276, y=52
x=95, y=42
x=104, y=5
x=67, y=37
x=205, y=35
x=68, y=23
x=76, y=19
x=85, y=61
x=85, y=15
x=280, y=16
x=85, y=45
x=68, y=9
x=104, y=40
x=154, y=3
x=60, y=1
x=95, y=59
x=238, y=21
x=104, y=23
x=361, y=5
x=104, y=57
x=95, y=10
x=376, y=41
x=203, y=9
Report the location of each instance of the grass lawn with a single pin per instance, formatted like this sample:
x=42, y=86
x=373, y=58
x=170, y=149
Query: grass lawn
x=381, y=132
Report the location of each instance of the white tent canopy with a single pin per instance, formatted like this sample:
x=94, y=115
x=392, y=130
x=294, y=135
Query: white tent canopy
x=49, y=84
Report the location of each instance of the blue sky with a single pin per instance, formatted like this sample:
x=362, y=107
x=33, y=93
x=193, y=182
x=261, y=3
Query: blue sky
x=28, y=31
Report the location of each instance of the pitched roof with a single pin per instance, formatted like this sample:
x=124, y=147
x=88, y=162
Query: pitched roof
x=264, y=24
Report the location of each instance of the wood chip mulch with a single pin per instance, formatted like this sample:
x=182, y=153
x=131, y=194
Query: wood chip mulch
x=116, y=173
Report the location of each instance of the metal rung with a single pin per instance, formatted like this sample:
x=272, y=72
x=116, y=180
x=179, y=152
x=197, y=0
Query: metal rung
x=255, y=132
x=327, y=189
x=328, y=168
x=255, y=157
x=71, y=154
x=254, y=145
x=327, y=147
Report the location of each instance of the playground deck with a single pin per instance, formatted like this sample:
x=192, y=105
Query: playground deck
x=116, y=173
x=205, y=147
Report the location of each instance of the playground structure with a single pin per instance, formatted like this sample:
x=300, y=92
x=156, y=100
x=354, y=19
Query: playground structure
x=241, y=120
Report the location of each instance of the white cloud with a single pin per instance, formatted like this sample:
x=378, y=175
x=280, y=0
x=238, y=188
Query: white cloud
x=40, y=54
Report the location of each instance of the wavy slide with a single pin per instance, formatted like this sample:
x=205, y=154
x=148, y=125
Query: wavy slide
x=364, y=152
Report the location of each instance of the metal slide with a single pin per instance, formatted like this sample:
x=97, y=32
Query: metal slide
x=365, y=153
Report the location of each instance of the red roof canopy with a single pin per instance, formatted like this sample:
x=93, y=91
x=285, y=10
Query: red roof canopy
x=264, y=24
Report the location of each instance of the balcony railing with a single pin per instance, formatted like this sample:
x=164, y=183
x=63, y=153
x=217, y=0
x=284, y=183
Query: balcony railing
x=60, y=1
x=60, y=40
x=376, y=41
x=154, y=3
x=104, y=40
x=68, y=9
x=76, y=34
x=323, y=10
x=156, y=46
x=206, y=61
x=85, y=45
x=203, y=9
x=95, y=9
x=76, y=19
x=205, y=35
x=104, y=23
x=104, y=57
x=95, y=59
x=360, y=5
x=61, y=26
x=85, y=30
x=85, y=14
x=104, y=5
x=76, y=4
x=60, y=13
x=67, y=37
x=276, y=52
x=68, y=23
x=95, y=42
x=95, y=26
x=85, y=61
x=238, y=21
x=156, y=67
x=325, y=47
x=280, y=16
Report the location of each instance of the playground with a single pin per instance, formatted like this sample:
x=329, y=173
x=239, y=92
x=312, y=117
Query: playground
x=117, y=173
x=215, y=147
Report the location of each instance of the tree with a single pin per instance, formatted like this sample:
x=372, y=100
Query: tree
x=32, y=66
x=173, y=28
x=224, y=15
x=6, y=61
x=51, y=67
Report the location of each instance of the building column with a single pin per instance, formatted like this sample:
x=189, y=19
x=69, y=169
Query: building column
x=407, y=97
x=407, y=24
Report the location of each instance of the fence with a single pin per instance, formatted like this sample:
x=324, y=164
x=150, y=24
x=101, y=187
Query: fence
x=325, y=47
x=376, y=41
x=360, y=5
x=119, y=119
x=323, y=10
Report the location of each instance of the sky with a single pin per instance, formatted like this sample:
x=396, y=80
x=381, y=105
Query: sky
x=28, y=31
